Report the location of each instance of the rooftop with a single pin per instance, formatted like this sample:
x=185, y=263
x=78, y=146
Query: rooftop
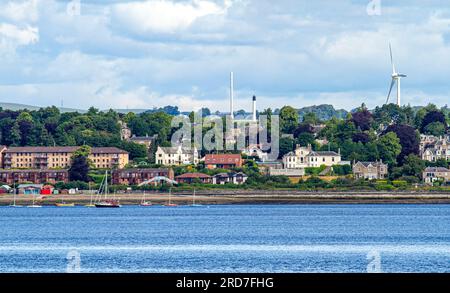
x=174, y=150
x=323, y=153
x=366, y=164
x=436, y=169
x=222, y=158
x=193, y=175
x=63, y=149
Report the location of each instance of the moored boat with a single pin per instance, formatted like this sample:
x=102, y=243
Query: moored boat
x=145, y=203
x=109, y=203
x=106, y=203
x=170, y=204
x=63, y=204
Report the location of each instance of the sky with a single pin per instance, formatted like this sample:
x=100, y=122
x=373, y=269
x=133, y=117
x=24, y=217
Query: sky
x=152, y=53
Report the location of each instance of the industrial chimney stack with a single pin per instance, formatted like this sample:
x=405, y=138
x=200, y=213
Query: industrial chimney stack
x=254, y=109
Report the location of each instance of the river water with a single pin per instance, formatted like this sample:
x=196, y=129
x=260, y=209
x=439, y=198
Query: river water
x=227, y=238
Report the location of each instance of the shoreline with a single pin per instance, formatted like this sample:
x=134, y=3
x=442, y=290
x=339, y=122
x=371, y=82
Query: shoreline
x=247, y=197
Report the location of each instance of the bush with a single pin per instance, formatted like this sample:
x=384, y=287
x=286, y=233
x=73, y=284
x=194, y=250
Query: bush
x=399, y=183
x=314, y=170
x=410, y=179
x=342, y=170
x=386, y=187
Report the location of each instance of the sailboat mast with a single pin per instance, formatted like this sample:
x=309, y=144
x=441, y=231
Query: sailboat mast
x=106, y=184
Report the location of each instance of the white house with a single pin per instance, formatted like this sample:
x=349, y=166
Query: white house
x=174, y=156
x=304, y=157
x=255, y=150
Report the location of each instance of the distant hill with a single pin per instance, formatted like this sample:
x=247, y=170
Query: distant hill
x=323, y=112
x=16, y=106
x=125, y=111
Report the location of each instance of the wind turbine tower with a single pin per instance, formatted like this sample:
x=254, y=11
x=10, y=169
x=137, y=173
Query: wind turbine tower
x=396, y=78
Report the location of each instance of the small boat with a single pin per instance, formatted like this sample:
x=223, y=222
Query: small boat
x=63, y=204
x=145, y=203
x=106, y=203
x=170, y=204
x=109, y=203
x=193, y=201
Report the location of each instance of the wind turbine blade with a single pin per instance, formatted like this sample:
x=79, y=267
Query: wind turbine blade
x=392, y=59
x=390, y=90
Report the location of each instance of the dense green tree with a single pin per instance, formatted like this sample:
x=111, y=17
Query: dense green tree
x=286, y=146
x=288, y=119
x=80, y=165
x=389, y=148
x=435, y=128
x=433, y=117
x=413, y=166
x=310, y=118
x=305, y=139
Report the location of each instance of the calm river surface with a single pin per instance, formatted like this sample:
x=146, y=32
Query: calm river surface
x=227, y=238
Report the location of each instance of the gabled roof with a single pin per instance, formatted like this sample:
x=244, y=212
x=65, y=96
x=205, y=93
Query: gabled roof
x=323, y=154
x=230, y=174
x=174, y=150
x=193, y=175
x=63, y=149
x=222, y=158
x=367, y=164
x=436, y=169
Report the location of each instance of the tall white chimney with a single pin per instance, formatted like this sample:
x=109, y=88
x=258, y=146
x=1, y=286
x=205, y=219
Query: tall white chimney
x=231, y=95
x=254, y=109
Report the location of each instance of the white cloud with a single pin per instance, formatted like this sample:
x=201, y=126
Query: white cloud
x=12, y=36
x=19, y=11
x=20, y=36
x=161, y=16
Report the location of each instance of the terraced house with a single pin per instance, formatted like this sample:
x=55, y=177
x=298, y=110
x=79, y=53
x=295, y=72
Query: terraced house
x=37, y=176
x=60, y=157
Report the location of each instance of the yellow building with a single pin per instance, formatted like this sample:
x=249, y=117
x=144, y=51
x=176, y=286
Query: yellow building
x=60, y=157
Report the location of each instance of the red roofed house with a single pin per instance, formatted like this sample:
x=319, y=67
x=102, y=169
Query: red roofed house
x=223, y=161
x=194, y=178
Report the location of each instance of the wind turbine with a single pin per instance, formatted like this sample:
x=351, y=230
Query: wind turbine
x=396, y=77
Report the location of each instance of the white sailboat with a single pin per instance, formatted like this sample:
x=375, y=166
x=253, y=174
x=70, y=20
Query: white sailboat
x=170, y=204
x=145, y=203
x=106, y=203
x=34, y=205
